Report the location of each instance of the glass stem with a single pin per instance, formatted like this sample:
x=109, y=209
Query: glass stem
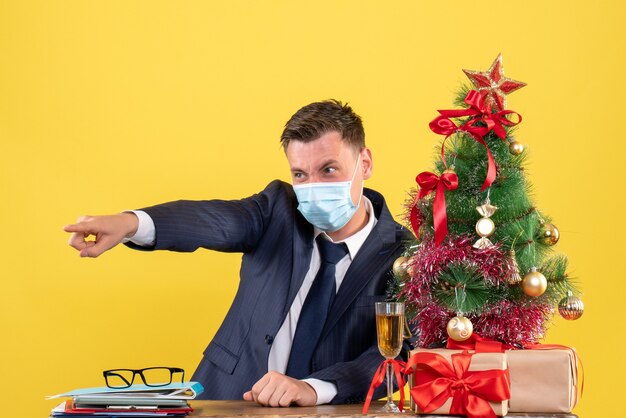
x=390, y=384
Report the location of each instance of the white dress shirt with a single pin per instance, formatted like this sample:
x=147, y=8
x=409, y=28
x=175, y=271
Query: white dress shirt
x=281, y=346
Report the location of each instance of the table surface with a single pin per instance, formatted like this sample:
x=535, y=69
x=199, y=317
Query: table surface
x=204, y=409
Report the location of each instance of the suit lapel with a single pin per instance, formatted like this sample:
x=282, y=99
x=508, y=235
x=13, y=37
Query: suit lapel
x=302, y=251
x=364, y=268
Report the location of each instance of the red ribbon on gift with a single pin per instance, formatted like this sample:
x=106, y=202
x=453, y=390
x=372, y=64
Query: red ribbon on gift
x=428, y=183
x=479, y=112
x=477, y=343
x=436, y=380
x=398, y=368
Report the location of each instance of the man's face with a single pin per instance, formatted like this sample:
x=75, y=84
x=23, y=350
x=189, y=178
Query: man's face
x=328, y=159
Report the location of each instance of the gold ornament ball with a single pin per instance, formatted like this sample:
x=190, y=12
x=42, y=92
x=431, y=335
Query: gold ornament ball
x=460, y=328
x=485, y=227
x=400, y=266
x=410, y=270
x=516, y=148
x=534, y=283
x=549, y=234
x=571, y=308
x=449, y=170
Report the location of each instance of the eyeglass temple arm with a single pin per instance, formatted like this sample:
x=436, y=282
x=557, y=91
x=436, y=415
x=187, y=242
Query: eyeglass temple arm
x=178, y=370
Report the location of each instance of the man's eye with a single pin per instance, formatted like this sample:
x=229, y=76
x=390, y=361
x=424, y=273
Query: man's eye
x=330, y=170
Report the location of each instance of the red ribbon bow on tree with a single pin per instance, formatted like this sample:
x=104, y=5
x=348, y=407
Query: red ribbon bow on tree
x=428, y=183
x=436, y=381
x=495, y=122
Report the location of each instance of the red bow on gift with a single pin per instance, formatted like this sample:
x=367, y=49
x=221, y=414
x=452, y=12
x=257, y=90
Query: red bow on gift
x=436, y=381
x=428, y=183
x=480, y=112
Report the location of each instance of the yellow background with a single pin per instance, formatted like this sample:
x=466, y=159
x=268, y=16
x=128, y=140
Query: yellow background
x=111, y=105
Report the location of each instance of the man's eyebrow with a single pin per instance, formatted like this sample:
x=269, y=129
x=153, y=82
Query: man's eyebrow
x=324, y=164
x=328, y=162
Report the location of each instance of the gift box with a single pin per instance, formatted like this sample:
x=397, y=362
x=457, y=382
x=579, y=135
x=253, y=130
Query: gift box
x=458, y=382
x=543, y=380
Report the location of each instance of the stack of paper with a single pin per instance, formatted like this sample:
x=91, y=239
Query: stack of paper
x=137, y=401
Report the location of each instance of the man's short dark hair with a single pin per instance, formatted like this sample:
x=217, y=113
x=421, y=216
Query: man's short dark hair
x=319, y=118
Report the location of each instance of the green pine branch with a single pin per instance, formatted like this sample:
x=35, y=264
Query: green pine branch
x=461, y=288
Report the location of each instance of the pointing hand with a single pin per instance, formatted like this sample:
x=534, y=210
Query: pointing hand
x=109, y=230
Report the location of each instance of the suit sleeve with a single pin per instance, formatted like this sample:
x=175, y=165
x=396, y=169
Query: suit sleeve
x=222, y=225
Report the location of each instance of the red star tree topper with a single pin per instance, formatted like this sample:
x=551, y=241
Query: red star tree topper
x=493, y=85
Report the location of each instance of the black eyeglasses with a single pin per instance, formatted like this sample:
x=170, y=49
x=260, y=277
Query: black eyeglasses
x=150, y=376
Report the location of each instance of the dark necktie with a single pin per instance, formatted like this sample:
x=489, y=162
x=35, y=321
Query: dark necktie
x=315, y=309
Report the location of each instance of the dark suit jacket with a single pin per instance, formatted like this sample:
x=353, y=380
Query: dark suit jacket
x=277, y=243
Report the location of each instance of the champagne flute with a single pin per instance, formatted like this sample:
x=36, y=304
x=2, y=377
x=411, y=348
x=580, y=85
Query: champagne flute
x=390, y=327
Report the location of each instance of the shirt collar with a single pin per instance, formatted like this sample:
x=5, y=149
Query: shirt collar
x=355, y=241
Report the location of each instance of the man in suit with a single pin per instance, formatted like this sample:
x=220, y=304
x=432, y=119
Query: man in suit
x=301, y=328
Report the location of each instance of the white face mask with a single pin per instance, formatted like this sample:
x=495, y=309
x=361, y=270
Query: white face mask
x=328, y=205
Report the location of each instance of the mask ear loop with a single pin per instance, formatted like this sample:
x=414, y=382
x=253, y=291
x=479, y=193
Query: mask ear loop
x=352, y=181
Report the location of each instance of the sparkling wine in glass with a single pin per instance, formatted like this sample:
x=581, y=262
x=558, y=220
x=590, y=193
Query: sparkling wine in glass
x=390, y=327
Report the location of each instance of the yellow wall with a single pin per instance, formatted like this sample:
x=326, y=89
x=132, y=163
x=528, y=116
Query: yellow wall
x=110, y=105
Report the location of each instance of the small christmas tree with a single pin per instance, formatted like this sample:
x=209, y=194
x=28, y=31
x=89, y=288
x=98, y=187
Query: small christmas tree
x=481, y=261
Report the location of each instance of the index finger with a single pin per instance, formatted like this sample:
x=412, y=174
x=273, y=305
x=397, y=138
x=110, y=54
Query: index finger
x=77, y=227
x=259, y=386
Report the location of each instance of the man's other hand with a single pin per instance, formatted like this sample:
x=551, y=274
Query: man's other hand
x=276, y=389
x=108, y=231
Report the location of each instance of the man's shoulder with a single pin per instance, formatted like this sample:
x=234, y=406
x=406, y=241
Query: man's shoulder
x=277, y=198
x=280, y=186
x=277, y=192
x=386, y=222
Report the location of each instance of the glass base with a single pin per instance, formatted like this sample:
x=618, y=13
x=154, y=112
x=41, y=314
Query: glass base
x=390, y=407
